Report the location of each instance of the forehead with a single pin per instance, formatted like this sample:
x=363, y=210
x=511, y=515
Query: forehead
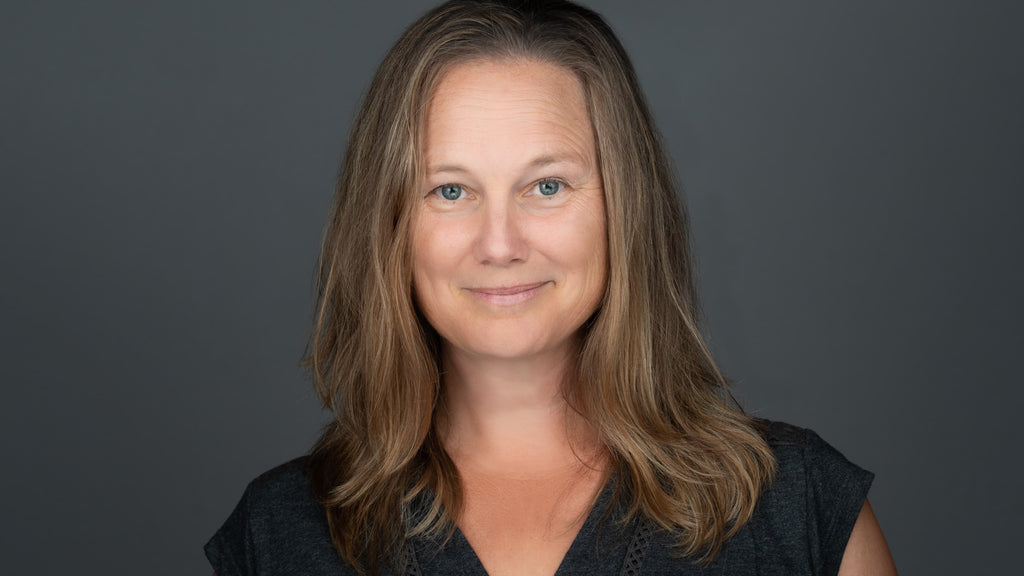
x=507, y=105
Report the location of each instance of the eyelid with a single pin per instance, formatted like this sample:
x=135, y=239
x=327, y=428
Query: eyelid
x=532, y=190
x=564, y=185
x=436, y=191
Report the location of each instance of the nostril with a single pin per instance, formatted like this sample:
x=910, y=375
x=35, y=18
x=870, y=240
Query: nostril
x=501, y=241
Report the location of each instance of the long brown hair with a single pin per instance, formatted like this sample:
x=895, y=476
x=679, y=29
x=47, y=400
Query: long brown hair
x=685, y=456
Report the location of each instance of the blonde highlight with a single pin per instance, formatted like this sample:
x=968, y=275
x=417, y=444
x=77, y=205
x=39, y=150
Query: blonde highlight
x=686, y=457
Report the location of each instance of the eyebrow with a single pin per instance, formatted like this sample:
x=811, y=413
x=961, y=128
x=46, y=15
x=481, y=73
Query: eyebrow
x=538, y=162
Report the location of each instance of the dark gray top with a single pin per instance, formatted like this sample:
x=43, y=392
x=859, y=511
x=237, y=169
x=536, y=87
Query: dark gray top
x=800, y=526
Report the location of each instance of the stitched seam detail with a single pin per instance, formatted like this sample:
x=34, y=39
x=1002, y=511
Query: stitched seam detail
x=637, y=549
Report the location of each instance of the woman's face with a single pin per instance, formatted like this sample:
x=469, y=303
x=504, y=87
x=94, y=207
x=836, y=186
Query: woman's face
x=509, y=243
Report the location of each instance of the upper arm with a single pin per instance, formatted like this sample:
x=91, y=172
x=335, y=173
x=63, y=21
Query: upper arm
x=866, y=551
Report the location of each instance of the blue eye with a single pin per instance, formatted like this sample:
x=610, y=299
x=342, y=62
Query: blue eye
x=549, y=187
x=450, y=191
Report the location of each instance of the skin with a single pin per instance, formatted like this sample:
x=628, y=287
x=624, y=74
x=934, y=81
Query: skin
x=867, y=553
x=507, y=275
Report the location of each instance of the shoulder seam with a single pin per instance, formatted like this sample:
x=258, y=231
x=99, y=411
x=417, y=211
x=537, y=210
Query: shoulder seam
x=781, y=433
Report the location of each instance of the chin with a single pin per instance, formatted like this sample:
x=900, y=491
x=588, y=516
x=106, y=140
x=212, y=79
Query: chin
x=510, y=342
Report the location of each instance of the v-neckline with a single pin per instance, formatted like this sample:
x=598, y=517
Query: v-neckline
x=585, y=554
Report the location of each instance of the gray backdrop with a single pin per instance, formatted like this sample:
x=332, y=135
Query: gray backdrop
x=854, y=174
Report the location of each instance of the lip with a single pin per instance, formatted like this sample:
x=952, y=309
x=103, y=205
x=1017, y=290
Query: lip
x=507, y=295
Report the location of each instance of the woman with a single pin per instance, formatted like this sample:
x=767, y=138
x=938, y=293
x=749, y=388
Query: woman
x=506, y=334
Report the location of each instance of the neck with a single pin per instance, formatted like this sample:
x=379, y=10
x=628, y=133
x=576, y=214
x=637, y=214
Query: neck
x=511, y=415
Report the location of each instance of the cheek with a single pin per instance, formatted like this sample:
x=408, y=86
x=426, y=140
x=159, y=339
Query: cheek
x=597, y=272
x=434, y=259
x=432, y=255
x=594, y=240
x=585, y=244
x=421, y=264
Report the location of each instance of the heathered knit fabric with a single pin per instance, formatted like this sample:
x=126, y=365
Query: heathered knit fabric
x=800, y=527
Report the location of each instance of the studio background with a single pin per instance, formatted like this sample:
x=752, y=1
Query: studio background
x=853, y=172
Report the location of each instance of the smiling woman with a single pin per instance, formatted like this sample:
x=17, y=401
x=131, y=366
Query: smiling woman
x=508, y=264
x=507, y=335
x=509, y=243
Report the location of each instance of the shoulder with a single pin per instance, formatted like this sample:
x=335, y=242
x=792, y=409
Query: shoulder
x=781, y=433
x=809, y=510
x=807, y=464
x=276, y=527
x=281, y=500
x=281, y=484
x=801, y=522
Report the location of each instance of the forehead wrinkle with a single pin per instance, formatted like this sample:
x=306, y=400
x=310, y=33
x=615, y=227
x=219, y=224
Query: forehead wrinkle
x=554, y=140
x=488, y=114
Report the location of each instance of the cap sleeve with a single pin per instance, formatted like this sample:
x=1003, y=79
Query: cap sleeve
x=836, y=491
x=230, y=550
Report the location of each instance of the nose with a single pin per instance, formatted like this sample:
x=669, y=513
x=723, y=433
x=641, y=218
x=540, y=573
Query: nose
x=500, y=240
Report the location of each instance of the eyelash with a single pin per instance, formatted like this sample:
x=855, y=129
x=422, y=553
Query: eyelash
x=560, y=184
x=439, y=191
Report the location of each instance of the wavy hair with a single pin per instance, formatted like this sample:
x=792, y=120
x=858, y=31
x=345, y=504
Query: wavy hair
x=686, y=457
